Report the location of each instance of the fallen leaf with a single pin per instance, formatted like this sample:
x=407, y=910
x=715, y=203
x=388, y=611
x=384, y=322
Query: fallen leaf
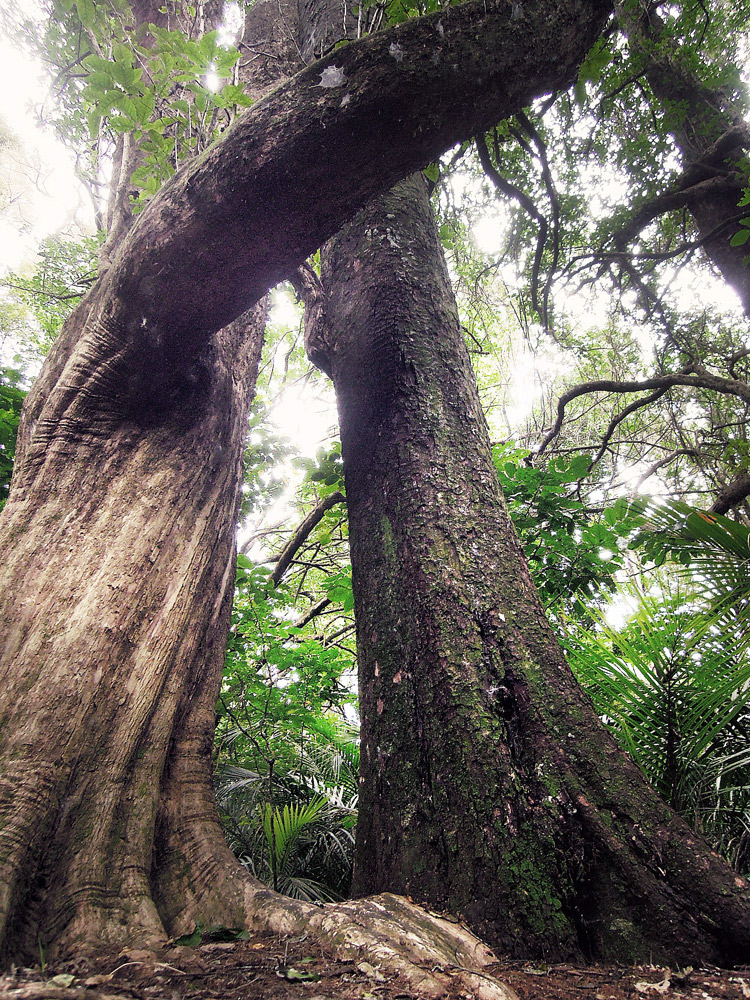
x=189, y=940
x=295, y=976
x=661, y=987
x=371, y=972
x=64, y=979
x=98, y=980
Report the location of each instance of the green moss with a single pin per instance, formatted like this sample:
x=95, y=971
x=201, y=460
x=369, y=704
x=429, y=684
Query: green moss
x=389, y=543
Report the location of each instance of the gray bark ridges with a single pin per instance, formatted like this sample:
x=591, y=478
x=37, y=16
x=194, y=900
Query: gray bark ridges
x=119, y=566
x=489, y=787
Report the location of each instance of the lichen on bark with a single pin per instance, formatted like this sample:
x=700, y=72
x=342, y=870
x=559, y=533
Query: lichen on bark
x=489, y=787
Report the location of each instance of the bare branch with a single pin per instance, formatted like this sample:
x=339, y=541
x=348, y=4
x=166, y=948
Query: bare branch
x=511, y=191
x=735, y=358
x=622, y=415
x=669, y=201
x=312, y=612
x=701, y=379
x=549, y=185
x=301, y=535
x=660, y=464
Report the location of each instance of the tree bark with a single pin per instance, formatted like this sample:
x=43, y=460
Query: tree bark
x=118, y=574
x=287, y=174
x=118, y=536
x=712, y=136
x=489, y=786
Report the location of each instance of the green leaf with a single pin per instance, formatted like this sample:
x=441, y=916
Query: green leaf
x=191, y=940
x=296, y=976
x=222, y=933
x=86, y=10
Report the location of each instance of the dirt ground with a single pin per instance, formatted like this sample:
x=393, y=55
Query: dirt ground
x=266, y=967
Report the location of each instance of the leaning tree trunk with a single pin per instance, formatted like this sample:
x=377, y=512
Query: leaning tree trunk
x=115, y=611
x=489, y=786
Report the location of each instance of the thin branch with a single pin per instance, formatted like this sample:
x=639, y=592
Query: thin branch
x=554, y=201
x=701, y=379
x=735, y=358
x=301, y=535
x=312, y=612
x=655, y=466
x=511, y=191
x=637, y=404
x=678, y=197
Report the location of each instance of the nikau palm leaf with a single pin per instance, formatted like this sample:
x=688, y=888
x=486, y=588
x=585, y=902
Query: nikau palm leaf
x=675, y=689
x=709, y=550
x=290, y=816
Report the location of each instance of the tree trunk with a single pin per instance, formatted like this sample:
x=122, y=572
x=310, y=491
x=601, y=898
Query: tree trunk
x=119, y=568
x=118, y=536
x=489, y=786
x=115, y=618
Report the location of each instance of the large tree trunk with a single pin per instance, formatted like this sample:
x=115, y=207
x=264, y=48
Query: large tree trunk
x=118, y=536
x=115, y=619
x=118, y=543
x=489, y=787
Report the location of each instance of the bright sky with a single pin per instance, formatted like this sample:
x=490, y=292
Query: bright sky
x=46, y=196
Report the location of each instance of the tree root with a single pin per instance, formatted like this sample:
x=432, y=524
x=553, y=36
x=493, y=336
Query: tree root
x=394, y=936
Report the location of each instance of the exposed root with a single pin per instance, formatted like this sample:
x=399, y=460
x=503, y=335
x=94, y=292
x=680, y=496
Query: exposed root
x=392, y=935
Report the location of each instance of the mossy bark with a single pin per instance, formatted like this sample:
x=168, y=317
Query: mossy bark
x=488, y=786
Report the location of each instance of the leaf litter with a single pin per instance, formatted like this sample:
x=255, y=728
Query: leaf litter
x=268, y=967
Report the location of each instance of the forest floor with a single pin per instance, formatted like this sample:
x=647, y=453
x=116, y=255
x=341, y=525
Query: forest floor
x=269, y=968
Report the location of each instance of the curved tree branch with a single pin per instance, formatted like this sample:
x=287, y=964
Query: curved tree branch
x=554, y=201
x=280, y=181
x=622, y=415
x=660, y=464
x=312, y=612
x=700, y=379
x=676, y=198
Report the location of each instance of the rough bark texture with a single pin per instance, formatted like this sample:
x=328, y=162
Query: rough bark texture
x=118, y=571
x=489, y=786
x=118, y=535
